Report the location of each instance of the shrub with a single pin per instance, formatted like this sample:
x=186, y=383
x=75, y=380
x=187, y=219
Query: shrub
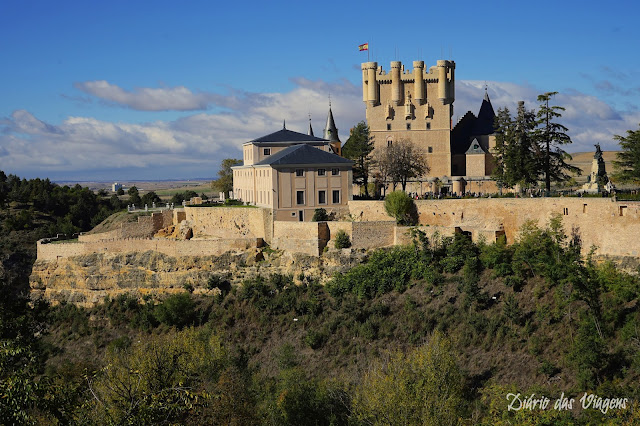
x=342, y=240
x=177, y=310
x=401, y=207
x=320, y=215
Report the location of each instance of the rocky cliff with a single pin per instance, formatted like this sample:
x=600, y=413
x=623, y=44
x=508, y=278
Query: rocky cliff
x=88, y=279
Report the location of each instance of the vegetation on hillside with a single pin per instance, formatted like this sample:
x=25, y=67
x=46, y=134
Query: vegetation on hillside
x=437, y=332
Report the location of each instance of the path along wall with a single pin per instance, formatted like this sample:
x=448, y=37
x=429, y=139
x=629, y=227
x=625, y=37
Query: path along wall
x=175, y=248
x=612, y=226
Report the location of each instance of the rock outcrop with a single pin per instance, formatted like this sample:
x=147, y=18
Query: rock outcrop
x=88, y=279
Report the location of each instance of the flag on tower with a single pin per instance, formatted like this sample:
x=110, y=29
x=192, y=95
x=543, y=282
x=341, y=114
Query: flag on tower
x=363, y=47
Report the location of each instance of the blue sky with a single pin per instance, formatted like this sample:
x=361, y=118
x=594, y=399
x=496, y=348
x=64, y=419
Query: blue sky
x=165, y=90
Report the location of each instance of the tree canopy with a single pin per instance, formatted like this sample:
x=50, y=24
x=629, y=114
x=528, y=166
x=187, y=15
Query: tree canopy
x=358, y=148
x=627, y=163
x=224, y=183
x=401, y=161
x=528, y=146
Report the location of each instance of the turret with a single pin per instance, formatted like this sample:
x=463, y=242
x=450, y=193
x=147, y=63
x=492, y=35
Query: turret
x=372, y=84
x=331, y=134
x=418, y=85
x=365, y=91
x=446, y=81
x=396, y=83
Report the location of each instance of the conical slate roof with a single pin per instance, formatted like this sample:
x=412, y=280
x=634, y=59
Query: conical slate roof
x=486, y=118
x=330, y=130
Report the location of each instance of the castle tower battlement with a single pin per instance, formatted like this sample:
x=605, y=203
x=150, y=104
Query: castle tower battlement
x=414, y=104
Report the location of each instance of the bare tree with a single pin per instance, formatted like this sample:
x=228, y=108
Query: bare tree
x=401, y=161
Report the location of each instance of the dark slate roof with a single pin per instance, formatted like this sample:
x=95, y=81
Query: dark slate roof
x=475, y=147
x=330, y=130
x=303, y=154
x=486, y=118
x=288, y=136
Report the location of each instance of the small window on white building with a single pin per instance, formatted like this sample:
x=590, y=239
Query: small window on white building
x=335, y=172
x=321, y=172
x=267, y=151
x=336, y=197
x=300, y=197
x=299, y=172
x=322, y=197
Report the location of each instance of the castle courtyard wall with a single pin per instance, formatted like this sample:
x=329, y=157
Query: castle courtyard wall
x=229, y=222
x=611, y=226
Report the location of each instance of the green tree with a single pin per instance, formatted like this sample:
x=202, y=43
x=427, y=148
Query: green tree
x=149, y=198
x=627, y=164
x=358, y=148
x=224, y=183
x=422, y=387
x=516, y=161
x=401, y=207
x=549, y=136
x=134, y=196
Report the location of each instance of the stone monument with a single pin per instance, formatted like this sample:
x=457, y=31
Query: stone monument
x=598, y=179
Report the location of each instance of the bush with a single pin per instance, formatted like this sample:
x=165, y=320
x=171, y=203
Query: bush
x=342, y=240
x=178, y=310
x=401, y=207
x=320, y=215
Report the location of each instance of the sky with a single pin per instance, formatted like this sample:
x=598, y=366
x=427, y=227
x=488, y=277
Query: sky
x=125, y=90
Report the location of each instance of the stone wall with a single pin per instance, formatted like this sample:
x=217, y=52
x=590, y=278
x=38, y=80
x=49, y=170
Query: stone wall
x=109, y=235
x=300, y=237
x=229, y=222
x=174, y=248
x=611, y=226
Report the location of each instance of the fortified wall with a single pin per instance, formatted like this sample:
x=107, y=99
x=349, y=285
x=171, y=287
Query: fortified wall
x=612, y=226
x=117, y=261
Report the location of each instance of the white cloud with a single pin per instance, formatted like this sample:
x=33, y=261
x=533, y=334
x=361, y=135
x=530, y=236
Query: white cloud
x=194, y=145
x=590, y=120
x=148, y=99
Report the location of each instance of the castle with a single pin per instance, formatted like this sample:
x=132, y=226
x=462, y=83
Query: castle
x=286, y=175
x=417, y=105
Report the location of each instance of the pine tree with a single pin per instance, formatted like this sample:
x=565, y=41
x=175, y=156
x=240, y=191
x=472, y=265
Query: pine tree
x=548, y=136
x=627, y=164
x=358, y=148
x=514, y=153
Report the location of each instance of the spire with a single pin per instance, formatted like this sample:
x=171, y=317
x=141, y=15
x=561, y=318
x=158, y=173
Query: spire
x=486, y=116
x=310, y=132
x=284, y=124
x=330, y=130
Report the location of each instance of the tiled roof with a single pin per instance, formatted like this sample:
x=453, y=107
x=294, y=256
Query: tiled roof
x=303, y=154
x=288, y=136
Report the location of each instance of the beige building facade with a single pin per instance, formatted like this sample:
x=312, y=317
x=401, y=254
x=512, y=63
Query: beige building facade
x=293, y=174
x=417, y=105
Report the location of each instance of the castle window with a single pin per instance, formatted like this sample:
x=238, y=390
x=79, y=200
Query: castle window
x=476, y=146
x=299, y=197
x=321, y=172
x=430, y=149
x=336, y=197
x=299, y=172
x=389, y=142
x=335, y=172
x=565, y=211
x=623, y=210
x=267, y=151
x=428, y=126
x=408, y=126
x=388, y=126
x=322, y=197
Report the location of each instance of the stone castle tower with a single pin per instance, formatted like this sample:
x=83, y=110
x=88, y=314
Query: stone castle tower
x=415, y=105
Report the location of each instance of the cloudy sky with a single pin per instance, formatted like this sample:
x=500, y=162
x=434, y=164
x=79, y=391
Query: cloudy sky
x=123, y=90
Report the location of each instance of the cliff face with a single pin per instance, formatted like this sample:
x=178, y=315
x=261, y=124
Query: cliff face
x=88, y=279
